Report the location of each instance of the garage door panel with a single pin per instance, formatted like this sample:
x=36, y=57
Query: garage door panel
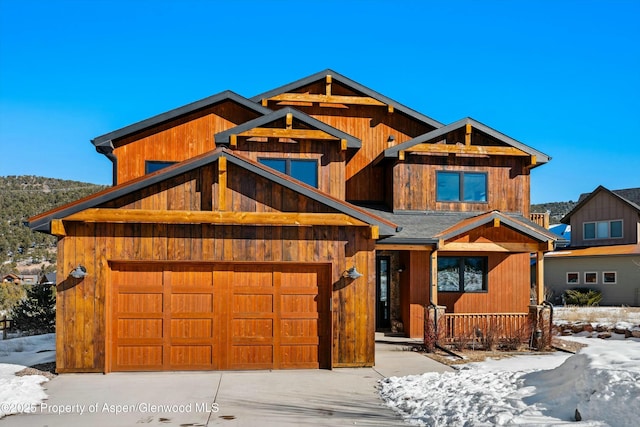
x=139, y=328
x=191, y=303
x=192, y=328
x=139, y=356
x=140, y=303
x=220, y=317
x=191, y=356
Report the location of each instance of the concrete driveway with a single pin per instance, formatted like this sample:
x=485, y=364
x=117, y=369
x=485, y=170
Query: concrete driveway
x=247, y=398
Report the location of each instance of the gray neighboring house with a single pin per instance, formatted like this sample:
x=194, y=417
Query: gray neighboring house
x=604, y=253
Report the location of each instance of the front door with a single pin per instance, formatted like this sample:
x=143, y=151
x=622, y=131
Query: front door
x=383, y=297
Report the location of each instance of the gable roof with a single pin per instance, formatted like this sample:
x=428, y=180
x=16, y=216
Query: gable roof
x=272, y=116
x=629, y=196
x=42, y=222
x=337, y=77
x=527, y=228
x=437, y=133
x=104, y=143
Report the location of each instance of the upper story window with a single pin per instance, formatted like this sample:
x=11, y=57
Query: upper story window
x=462, y=274
x=305, y=170
x=151, y=166
x=603, y=230
x=461, y=186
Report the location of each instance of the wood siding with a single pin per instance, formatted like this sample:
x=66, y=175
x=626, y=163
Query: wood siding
x=330, y=158
x=414, y=291
x=82, y=327
x=372, y=125
x=605, y=207
x=508, y=286
x=178, y=140
x=508, y=183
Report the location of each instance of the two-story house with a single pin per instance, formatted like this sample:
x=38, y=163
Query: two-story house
x=604, y=253
x=283, y=230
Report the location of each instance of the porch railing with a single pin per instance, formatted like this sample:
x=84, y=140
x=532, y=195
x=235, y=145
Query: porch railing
x=477, y=325
x=542, y=219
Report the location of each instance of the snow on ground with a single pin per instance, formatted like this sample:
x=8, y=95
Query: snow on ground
x=602, y=382
x=25, y=393
x=597, y=315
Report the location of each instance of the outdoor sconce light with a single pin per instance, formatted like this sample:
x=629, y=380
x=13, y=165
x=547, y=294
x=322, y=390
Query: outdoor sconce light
x=391, y=138
x=352, y=273
x=79, y=272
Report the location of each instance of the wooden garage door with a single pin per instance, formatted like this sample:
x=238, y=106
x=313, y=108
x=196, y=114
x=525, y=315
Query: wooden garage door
x=185, y=317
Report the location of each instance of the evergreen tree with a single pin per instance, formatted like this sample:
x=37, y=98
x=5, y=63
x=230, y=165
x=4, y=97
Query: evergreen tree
x=36, y=313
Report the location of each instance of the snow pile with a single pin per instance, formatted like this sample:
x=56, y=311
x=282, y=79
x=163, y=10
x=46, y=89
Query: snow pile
x=25, y=393
x=602, y=382
x=19, y=394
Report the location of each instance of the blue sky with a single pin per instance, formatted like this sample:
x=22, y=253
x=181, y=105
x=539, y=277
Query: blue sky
x=560, y=76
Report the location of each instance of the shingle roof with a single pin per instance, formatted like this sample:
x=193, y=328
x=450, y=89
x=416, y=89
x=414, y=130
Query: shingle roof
x=337, y=77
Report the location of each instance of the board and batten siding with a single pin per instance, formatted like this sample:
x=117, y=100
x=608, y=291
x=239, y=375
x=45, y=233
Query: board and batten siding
x=82, y=304
x=415, y=186
x=605, y=207
x=180, y=139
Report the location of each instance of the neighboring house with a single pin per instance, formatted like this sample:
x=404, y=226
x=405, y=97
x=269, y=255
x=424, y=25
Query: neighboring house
x=47, y=279
x=604, y=253
x=282, y=231
x=21, y=279
x=11, y=278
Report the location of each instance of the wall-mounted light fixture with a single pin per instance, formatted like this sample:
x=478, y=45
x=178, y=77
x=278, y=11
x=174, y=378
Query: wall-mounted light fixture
x=352, y=273
x=391, y=138
x=79, y=272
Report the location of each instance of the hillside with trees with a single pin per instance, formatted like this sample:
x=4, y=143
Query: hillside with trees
x=22, y=197
x=557, y=209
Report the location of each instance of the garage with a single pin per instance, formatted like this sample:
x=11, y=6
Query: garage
x=197, y=316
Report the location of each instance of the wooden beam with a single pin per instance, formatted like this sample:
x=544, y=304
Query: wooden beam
x=57, y=228
x=467, y=135
x=222, y=183
x=390, y=109
x=328, y=99
x=533, y=160
x=265, y=102
x=375, y=232
x=328, y=84
x=401, y=155
x=219, y=217
x=490, y=247
x=289, y=133
x=496, y=222
x=289, y=120
x=540, y=277
x=433, y=294
x=233, y=140
x=426, y=148
x=343, y=144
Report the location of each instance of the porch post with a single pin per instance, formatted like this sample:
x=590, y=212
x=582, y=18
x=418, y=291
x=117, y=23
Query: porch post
x=539, y=277
x=433, y=292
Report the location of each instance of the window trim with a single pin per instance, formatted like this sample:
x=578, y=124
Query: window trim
x=595, y=273
x=595, y=237
x=166, y=164
x=485, y=275
x=287, y=166
x=461, y=180
x=615, y=278
x=577, y=282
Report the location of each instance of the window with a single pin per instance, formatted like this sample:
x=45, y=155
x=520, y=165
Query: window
x=609, y=277
x=462, y=274
x=151, y=166
x=591, y=277
x=603, y=230
x=461, y=186
x=573, y=278
x=305, y=170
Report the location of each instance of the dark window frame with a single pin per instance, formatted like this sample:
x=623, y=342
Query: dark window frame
x=287, y=167
x=461, y=284
x=461, y=181
x=153, y=163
